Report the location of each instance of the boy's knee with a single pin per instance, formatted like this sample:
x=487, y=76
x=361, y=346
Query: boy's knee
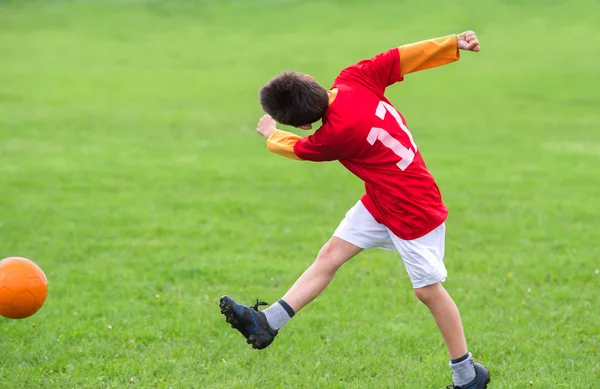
x=335, y=253
x=326, y=251
x=428, y=293
x=327, y=256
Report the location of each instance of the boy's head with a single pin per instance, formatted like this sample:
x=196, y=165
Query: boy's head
x=294, y=99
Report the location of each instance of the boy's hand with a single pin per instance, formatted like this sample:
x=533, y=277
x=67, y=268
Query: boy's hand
x=468, y=41
x=266, y=125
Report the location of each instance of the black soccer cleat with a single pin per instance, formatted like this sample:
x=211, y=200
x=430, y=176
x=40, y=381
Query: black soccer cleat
x=481, y=381
x=249, y=321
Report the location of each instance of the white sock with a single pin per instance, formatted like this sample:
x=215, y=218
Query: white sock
x=278, y=314
x=463, y=372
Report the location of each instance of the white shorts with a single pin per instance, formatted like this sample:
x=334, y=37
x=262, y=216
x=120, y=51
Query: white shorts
x=423, y=257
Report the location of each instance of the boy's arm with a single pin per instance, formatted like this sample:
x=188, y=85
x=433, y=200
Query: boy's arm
x=278, y=142
x=428, y=54
x=320, y=146
x=436, y=52
x=282, y=143
x=391, y=66
x=310, y=148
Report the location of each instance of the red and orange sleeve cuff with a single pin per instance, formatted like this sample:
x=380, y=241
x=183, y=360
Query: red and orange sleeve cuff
x=428, y=54
x=282, y=143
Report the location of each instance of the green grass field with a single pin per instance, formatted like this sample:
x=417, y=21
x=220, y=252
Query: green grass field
x=131, y=173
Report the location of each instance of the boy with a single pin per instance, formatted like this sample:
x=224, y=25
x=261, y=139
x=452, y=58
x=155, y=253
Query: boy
x=402, y=208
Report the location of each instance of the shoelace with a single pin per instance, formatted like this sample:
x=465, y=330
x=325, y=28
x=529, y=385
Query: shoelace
x=258, y=303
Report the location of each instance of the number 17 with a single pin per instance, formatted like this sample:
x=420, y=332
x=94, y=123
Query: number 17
x=376, y=133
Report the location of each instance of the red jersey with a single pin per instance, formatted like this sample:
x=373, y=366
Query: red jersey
x=371, y=139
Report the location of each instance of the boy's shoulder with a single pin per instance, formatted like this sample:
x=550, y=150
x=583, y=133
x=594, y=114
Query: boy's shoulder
x=349, y=108
x=341, y=104
x=353, y=96
x=362, y=78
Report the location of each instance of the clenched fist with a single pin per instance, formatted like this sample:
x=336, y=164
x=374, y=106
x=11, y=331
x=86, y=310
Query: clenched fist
x=266, y=125
x=468, y=41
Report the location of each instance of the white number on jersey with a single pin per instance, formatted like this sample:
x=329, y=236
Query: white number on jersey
x=407, y=155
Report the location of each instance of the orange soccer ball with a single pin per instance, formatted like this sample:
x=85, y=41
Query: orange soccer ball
x=23, y=288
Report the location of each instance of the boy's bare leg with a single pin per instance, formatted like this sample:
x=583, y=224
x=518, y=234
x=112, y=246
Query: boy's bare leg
x=315, y=279
x=260, y=327
x=446, y=316
x=465, y=372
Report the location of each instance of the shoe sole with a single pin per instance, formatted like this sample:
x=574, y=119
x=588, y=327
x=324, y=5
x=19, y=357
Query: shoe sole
x=227, y=311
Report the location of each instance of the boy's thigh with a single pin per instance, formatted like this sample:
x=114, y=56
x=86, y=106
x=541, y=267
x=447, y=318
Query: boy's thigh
x=424, y=257
x=362, y=230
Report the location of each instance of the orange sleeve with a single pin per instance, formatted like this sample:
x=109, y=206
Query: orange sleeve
x=282, y=143
x=428, y=54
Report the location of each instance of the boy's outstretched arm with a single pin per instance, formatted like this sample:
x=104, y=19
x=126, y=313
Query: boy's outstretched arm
x=391, y=66
x=436, y=52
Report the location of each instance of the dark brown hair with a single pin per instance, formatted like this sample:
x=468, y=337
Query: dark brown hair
x=294, y=99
